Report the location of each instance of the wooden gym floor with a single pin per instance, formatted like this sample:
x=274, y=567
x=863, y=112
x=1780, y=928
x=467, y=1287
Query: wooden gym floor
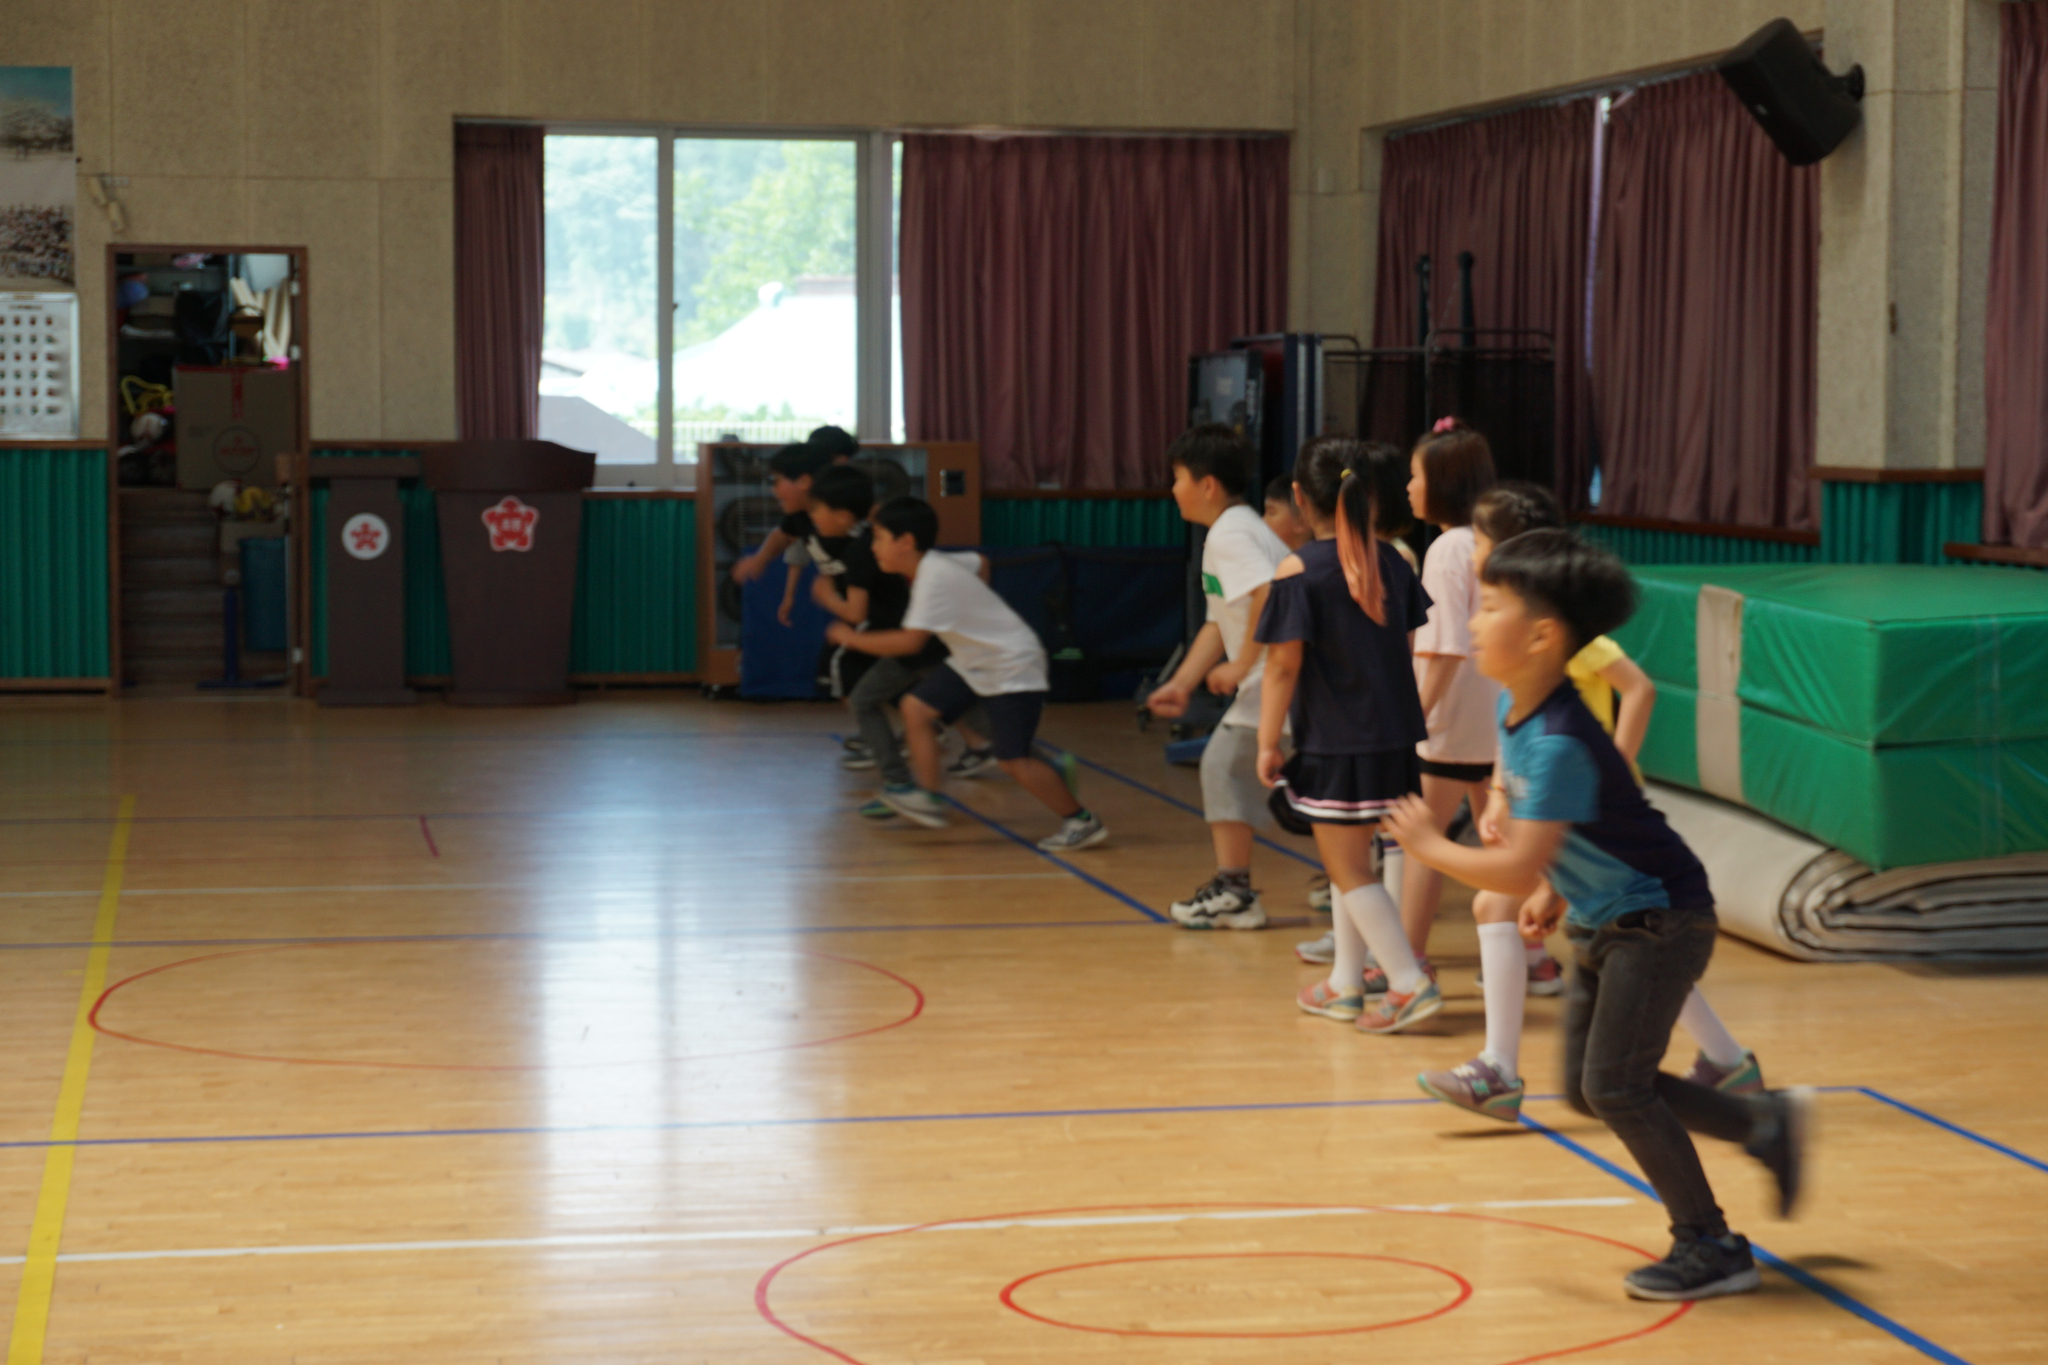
x=611, y=1034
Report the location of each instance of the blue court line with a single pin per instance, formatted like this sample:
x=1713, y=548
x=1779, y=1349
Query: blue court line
x=1955, y=1128
x=657, y=935
x=1802, y=1277
x=1107, y=771
x=1100, y=885
x=861, y=1120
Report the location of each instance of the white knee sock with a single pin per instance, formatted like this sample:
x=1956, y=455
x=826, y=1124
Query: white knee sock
x=1393, y=862
x=1705, y=1026
x=1379, y=924
x=1507, y=986
x=1347, y=968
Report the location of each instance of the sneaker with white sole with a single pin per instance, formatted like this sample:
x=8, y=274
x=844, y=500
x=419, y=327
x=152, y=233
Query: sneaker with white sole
x=1696, y=1268
x=1545, y=977
x=1319, y=893
x=1746, y=1077
x=1476, y=1085
x=857, y=760
x=974, y=763
x=1220, y=904
x=1392, y=1012
x=916, y=805
x=1319, y=952
x=1324, y=999
x=1783, y=1127
x=1079, y=830
x=877, y=809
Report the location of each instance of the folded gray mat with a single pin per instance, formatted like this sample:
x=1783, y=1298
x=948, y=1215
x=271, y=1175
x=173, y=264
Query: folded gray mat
x=1789, y=893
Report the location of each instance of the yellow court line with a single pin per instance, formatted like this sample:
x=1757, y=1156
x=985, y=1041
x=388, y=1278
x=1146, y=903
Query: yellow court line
x=39, y=1273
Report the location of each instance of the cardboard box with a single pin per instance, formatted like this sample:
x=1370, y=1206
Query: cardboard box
x=232, y=421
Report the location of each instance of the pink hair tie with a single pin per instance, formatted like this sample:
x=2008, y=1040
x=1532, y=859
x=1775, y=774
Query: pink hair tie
x=1444, y=424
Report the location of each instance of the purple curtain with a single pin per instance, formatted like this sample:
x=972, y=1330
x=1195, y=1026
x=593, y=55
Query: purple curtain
x=498, y=281
x=2016, y=320
x=1515, y=191
x=1054, y=288
x=1704, y=314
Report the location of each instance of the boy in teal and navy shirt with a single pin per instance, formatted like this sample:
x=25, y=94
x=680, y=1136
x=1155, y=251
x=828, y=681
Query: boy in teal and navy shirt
x=1641, y=920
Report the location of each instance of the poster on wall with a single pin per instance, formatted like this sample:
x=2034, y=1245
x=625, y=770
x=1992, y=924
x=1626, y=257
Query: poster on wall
x=38, y=175
x=39, y=366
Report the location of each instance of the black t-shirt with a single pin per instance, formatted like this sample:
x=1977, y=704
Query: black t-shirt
x=888, y=593
x=1356, y=693
x=797, y=525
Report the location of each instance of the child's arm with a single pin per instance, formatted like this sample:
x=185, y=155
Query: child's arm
x=756, y=564
x=782, y=613
x=851, y=607
x=1276, y=694
x=1515, y=868
x=1637, y=696
x=888, y=644
x=1437, y=676
x=1170, y=698
x=1226, y=678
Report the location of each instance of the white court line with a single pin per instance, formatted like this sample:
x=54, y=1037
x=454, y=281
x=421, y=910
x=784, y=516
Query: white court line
x=638, y=1239
x=127, y=892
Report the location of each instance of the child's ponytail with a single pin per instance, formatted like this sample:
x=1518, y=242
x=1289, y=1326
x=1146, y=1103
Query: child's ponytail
x=1357, y=551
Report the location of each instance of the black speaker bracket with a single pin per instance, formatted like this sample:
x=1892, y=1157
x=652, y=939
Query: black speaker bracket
x=1850, y=82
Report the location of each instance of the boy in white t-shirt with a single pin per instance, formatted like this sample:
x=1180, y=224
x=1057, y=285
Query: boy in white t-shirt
x=1213, y=468
x=995, y=658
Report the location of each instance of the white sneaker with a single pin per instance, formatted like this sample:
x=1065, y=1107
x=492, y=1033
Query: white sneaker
x=1320, y=951
x=1218, y=904
x=1082, y=830
x=857, y=760
x=916, y=805
x=974, y=763
x=1319, y=893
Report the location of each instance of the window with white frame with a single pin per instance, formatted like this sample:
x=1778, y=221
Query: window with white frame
x=777, y=255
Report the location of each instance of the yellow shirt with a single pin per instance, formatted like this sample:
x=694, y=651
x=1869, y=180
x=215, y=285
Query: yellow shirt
x=1585, y=669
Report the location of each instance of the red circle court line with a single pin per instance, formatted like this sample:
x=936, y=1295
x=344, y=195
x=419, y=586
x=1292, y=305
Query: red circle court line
x=1464, y=1292
x=773, y=1319
x=93, y=1017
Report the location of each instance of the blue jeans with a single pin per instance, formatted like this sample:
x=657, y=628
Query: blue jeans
x=1630, y=981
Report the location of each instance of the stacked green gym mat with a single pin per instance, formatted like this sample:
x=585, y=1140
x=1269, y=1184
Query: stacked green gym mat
x=1896, y=712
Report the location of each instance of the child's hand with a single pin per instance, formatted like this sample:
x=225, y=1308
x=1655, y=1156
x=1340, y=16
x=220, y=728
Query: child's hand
x=837, y=633
x=1495, y=816
x=1410, y=824
x=1226, y=678
x=782, y=613
x=747, y=569
x=1271, y=761
x=1540, y=913
x=1168, y=699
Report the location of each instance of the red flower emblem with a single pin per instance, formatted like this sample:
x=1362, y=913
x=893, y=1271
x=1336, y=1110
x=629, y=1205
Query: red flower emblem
x=511, y=524
x=367, y=539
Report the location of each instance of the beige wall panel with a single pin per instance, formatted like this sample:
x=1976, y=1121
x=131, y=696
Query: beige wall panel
x=832, y=63
x=1853, y=342
x=708, y=63
x=92, y=239
x=179, y=71
x=1863, y=32
x=1082, y=63
x=69, y=33
x=1329, y=96
x=311, y=99
x=1927, y=38
x=417, y=309
x=574, y=59
x=1980, y=143
x=180, y=210
x=956, y=64
x=436, y=59
x=1339, y=267
x=1221, y=63
x=1370, y=154
x=1980, y=44
x=1923, y=226
x=1300, y=266
x=338, y=223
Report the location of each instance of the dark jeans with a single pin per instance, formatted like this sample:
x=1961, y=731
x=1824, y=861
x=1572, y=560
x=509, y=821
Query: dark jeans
x=1631, y=980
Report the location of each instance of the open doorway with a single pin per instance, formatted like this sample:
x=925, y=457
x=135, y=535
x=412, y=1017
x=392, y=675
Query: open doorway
x=208, y=388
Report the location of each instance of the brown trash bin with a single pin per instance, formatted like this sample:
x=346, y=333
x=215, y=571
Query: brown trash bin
x=511, y=518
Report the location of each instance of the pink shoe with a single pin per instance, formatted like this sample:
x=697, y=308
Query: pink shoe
x=1390, y=1013
x=1324, y=999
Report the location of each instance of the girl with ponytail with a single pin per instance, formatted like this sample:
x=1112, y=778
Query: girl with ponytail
x=1337, y=630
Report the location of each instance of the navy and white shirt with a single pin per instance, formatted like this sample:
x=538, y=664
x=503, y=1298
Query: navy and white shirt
x=1619, y=855
x=1356, y=693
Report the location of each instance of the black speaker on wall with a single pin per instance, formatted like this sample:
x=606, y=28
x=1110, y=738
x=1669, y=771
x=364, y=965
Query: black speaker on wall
x=1806, y=109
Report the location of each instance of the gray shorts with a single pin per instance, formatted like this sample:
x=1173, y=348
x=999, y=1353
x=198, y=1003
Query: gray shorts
x=1230, y=777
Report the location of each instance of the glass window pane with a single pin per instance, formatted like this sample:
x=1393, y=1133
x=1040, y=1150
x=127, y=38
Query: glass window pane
x=766, y=330
x=599, y=370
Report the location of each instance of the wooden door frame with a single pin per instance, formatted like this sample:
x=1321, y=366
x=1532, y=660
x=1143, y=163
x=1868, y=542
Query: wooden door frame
x=117, y=427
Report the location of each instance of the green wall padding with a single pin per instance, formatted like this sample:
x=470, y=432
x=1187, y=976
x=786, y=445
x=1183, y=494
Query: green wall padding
x=1016, y=523
x=1897, y=523
x=1636, y=546
x=54, y=589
